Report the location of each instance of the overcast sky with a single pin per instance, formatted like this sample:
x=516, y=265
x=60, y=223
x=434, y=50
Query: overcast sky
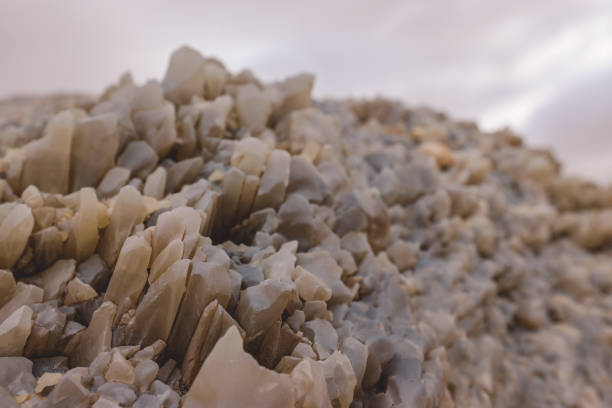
x=542, y=67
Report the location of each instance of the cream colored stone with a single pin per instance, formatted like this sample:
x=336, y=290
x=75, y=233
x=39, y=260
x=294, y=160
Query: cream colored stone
x=47, y=160
x=155, y=184
x=309, y=287
x=250, y=156
x=185, y=75
x=228, y=369
x=113, y=180
x=170, y=254
x=77, y=291
x=15, y=229
x=47, y=380
x=127, y=211
x=8, y=286
x=83, y=236
x=162, y=300
x=94, y=146
x=274, y=181
x=14, y=332
x=32, y=197
x=119, y=369
x=97, y=337
x=253, y=107
x=24, y=294
x=130, y=274
x=53, y=280
x=207, y=282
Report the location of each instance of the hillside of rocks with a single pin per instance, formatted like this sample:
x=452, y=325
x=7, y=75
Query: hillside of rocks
x=211, y=240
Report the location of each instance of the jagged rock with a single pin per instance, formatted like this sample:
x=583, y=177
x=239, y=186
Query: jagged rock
x=83, y=236
x=213, y=324
x=127, y=212
x=207, y=282
x=253, y=107
x=309, y=287
x=120, y=393
x=14, y=332
x=112, y=181
x=119, y=369
x=15, y=229
x=228, y=367
x=46, y=333
x=185, y=75
x=162, y=300
x=261, y=305
x=97, y=337
x=324, y=267
x=94, y=145
x=274, y=181
x=139, y=158
x=130, y=274
x=182, y=173
x=47, y=160
x=94, y=272
x=308, y=379
x=145, y=373
x=8, y=286
x=155, y=185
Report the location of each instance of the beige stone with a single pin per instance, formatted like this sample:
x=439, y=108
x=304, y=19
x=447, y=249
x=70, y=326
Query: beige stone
x=228, y=369
x=14, y=332
x=47, y=160
x=119, y=369
x=47, y=380
x=113, y=180
x=253, y=107
x=162, y=300
x=130, y=274
x=155, y=184
x=274, y=181
x=185, y=75
x=309, y=287
x=53, y=280
x=24, y=295
x=97, y=337
x=15, y=229
x=94, y=146
x=77, y=291
x=7, y=286
x=207, y=282
x=83, y=236
x=127, y=211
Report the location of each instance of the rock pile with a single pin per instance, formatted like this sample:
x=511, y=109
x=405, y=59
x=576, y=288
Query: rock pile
x=215, y=241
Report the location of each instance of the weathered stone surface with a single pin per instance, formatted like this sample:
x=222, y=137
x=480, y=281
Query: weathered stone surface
x=161, y=300
x=24, y=295
x=14, y=332
x=15, y=229
x=94, y=146
x=261, y=305
x=53, y=280
x=7, y=286
x=47, y=160
x=185, y=75
x=274, y=181
x=83, y=236
x=229, y=368
x=112, y=181
x=207, y=282
x=127, y=212
x=253, y=107
x=97, y=337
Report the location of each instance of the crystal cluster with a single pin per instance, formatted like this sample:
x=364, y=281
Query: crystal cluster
x=214, y=241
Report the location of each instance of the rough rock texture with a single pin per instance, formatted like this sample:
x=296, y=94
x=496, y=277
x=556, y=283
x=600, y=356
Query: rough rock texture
x=212, y=240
